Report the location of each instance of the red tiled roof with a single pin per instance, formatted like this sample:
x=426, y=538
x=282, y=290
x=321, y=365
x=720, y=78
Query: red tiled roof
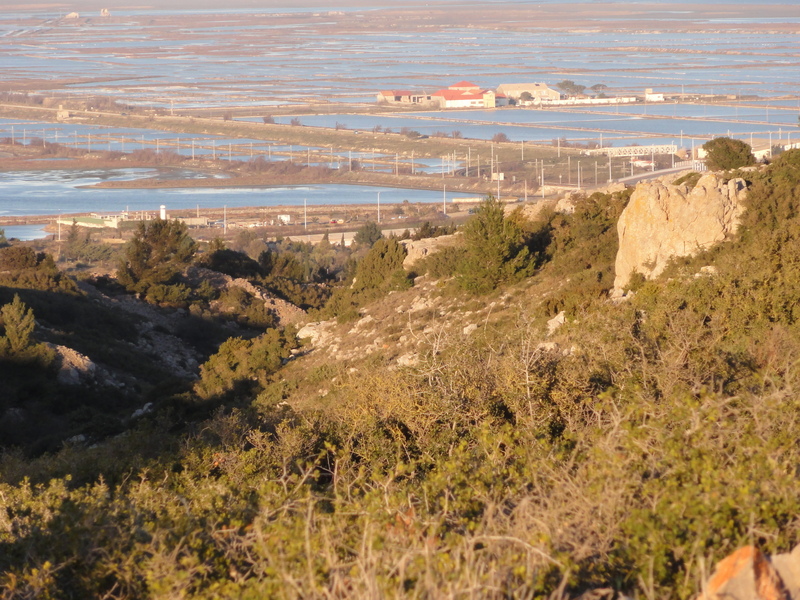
x=463, y=84
x=458, y=95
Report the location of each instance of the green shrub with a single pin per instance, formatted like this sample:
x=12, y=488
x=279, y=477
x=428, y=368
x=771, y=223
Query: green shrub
x=724, y=154
x=157, y=253
x=240, y=364
x=380, y=271
x=690, y=179
x=496, y=249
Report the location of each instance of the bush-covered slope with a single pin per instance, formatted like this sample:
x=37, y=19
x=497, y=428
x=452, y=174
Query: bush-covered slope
x=629, y=449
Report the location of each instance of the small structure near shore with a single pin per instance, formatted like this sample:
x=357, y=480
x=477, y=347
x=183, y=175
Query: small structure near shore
x=95, y=221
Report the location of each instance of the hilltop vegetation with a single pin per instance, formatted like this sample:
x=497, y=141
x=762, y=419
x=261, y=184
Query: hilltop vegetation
x=631, y=448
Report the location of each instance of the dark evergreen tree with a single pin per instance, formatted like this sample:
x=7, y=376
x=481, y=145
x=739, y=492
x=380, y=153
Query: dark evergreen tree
x=724, y=153
x=496, y=249
x=157, y=252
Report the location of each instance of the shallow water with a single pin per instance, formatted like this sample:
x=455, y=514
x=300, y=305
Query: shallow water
x=229, y=59
x=61, y=192
x=24, y=232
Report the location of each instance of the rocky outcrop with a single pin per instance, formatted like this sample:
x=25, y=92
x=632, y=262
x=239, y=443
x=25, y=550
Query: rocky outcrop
x=419, y=249
x=286, y=312
x=74, y=368
x=749, y=574
x=534, y=210
x=663, y=221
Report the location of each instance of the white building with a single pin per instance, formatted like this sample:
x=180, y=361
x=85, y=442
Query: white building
x=538, y=91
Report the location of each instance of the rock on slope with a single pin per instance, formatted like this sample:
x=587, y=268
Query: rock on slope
x=748, y=574
x=419, y=249
x=663, y=220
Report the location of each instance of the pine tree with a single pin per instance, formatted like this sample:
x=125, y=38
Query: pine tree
x=156, y=253
x=496, y=249
x=19, y=323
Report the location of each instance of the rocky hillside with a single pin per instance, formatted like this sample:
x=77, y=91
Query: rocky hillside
x=498, y=426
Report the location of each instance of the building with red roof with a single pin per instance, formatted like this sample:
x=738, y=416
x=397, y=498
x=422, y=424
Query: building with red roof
x=468, y=95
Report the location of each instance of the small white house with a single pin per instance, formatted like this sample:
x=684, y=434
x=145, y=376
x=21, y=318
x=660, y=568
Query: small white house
x=649, y=96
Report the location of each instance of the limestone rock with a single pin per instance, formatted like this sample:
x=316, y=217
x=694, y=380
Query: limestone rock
x=566, y=204
x=419, y=249
x=556, y=322
x=318, y=332
x=469, y=328
x=748, y=574
x=286, y=312
x=408, y=360
x=534, y=210
x=663, y=221
x=74, y=368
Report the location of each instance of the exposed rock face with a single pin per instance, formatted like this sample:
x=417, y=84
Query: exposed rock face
x=556, y=322
x=534, y=210
x=74, y=368
x=663, y=220
x=748, y=574
x=419, y=249
x=566, y=204
x=286, y=312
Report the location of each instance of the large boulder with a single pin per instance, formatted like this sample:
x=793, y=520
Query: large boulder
x=419, y=249
x=748, y=574
x=662, y=221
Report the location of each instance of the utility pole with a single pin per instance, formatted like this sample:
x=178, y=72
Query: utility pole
x=379, y=207
x=305, y=213
x=444, y=199
x=541, y=184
